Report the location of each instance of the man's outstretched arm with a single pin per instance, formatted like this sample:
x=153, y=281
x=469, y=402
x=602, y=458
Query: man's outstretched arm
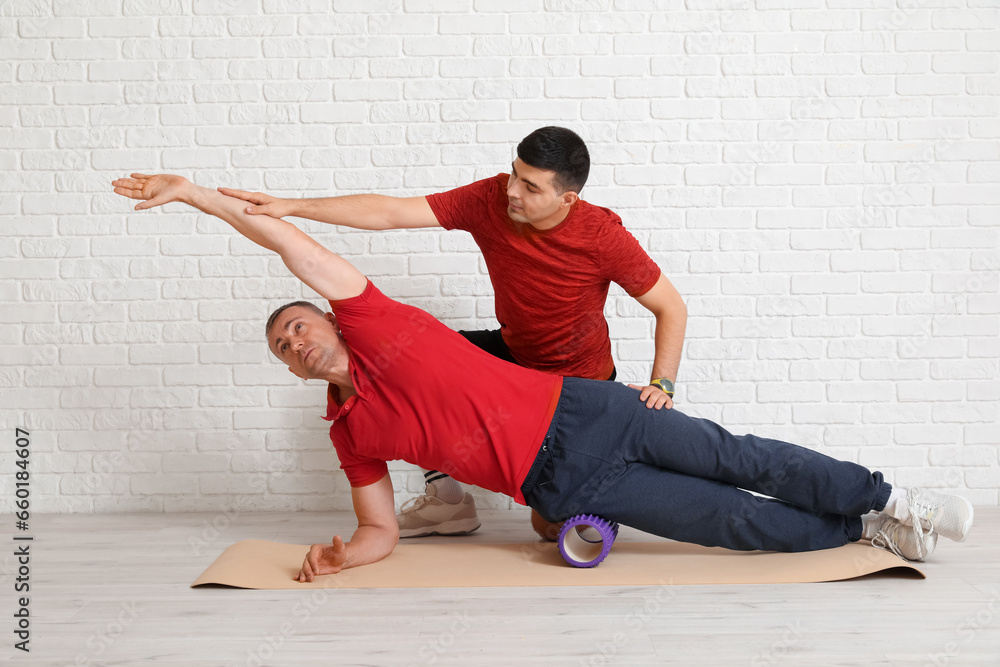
x=330, y=275
x=357, y=211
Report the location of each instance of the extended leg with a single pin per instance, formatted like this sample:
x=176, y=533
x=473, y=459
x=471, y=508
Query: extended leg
x=685, y=508
x=608, y=422
x=692, y=509
x=795, y=474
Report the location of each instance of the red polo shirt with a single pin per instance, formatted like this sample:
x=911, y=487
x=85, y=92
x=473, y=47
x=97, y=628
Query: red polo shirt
x=429, y=397
x=550, y=285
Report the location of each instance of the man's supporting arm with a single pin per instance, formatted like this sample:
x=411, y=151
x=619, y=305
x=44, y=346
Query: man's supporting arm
x=666, y=304
x=368, y=211
x=374, y=539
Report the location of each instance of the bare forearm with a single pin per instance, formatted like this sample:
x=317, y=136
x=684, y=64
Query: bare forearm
x=667, y=306
x=330, y=275
x=669, y=340
x=358, y=211
x=369, y=544
x=263, y=230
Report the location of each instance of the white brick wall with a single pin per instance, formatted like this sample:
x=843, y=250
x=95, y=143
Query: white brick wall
x=819, y=178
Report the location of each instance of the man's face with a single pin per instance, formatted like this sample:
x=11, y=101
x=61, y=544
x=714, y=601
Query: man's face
x=307, y=342
x=532, y=195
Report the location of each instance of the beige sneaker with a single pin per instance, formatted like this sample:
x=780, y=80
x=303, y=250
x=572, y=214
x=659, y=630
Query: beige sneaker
x=947, y=515
x=888, y=533
x=429, y=515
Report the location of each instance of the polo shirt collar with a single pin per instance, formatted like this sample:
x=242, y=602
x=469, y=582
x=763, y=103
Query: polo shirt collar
x=335, y=410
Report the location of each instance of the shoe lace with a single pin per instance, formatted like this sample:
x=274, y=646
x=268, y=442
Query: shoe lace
x=922, y=507
x=413, y=504
x=884, y=541
x=888, y=537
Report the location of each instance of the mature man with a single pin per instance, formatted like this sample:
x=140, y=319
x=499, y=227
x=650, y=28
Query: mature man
x=551, y=257
x=404, y=386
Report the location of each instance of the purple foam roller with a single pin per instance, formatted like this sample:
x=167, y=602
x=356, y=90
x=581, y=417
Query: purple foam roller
x=586, y=548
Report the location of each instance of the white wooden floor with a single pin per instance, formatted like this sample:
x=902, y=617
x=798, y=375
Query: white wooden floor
x=113, y=590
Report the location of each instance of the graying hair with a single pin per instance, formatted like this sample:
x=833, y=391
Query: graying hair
x=279, y=311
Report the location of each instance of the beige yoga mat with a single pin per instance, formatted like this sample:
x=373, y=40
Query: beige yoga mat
x=268, y=565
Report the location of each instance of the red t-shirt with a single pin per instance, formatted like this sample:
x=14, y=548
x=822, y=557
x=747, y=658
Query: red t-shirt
x=429, y=397
x=550, y=285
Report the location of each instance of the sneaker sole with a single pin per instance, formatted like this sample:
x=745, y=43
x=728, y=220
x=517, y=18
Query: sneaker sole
x=447, y=529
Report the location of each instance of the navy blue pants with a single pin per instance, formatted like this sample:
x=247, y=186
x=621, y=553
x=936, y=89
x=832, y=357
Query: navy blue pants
x=688, y=479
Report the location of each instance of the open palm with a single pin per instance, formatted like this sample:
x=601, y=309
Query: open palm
x=154, y=190
x=323, y=559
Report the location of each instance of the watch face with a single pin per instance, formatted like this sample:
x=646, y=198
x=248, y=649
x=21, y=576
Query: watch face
x=666, y=385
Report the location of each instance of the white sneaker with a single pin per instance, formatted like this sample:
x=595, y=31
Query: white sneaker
x=947, y=515
x=429, y=515
x=905, y=541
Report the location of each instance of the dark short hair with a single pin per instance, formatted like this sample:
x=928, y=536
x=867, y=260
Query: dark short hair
x=279, y=311
x=560, y=150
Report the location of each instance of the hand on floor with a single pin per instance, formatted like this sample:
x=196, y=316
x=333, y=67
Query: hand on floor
x=323, y=559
